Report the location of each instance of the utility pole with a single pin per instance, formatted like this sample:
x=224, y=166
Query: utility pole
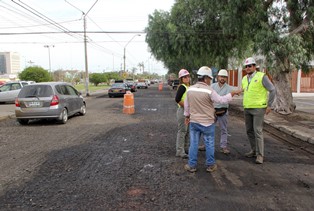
x=86, y=60
x=85, y=44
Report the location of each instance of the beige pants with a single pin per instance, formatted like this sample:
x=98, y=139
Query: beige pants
x=183, y=138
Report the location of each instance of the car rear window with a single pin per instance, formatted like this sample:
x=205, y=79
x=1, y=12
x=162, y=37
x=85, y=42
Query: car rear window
x=36, y=91
x=118, y=85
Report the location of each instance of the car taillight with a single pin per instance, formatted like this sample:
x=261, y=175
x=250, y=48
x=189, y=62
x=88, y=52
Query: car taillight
x=54, y=101
x=17, y=103
x=110, y=90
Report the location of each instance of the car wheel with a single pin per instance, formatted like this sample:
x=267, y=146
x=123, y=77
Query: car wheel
x=23, y=121
x=63, y=116
x=83, y=110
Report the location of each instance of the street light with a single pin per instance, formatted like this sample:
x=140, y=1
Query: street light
x=125, y=48
x=48, y=46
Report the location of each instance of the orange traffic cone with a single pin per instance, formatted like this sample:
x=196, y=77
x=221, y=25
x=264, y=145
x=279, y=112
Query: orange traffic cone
x=160, y=87
x=128, y=103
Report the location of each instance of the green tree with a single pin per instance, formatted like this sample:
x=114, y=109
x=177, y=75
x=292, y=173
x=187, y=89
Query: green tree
x=283, y=32
x=191, y=35
x=96, y=78
x=35, y=73
x=208, y=32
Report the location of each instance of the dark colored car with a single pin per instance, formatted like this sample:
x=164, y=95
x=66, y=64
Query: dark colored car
x=48, y=100
x=175, y=84
x=132, y=86
x=118, y=89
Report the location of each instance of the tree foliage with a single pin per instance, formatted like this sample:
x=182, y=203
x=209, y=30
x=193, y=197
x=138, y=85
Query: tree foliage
x=35, y=73
x=208, y=32
x=96, y=78
x=194, y=34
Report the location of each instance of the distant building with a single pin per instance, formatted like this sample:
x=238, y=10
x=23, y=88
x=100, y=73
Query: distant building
x=9, y=63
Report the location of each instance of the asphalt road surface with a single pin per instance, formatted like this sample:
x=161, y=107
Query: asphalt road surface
x=107, y=160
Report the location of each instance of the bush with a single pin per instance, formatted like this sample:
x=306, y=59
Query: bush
x=35, y=73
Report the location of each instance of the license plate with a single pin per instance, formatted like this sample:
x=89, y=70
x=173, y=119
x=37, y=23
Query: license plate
x=34, y=104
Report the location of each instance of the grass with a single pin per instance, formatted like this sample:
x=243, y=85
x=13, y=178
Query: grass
x=91, y=87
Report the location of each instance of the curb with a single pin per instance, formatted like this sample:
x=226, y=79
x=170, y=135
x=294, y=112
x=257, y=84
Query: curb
x=296, y=131
x=10, y=116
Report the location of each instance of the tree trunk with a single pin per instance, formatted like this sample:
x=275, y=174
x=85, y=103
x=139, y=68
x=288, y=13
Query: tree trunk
x=283, y=103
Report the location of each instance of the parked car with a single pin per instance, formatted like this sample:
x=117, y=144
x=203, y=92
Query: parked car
x=175, y=84
x=48, y=100
x=119, y=81
x=118, y=89
x=10, y=90
x=141, y=85
x=132, y=86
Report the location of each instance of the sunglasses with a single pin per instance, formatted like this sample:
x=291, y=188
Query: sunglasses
x=249, y=65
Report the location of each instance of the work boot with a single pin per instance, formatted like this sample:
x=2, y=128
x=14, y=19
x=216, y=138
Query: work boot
x=189, y=168
x=225, y=150
x=211, y=168
x=250, y=154
x=185, y=156
x=259, y=159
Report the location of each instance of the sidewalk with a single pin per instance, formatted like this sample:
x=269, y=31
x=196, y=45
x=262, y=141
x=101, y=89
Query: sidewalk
x=300, y=124
x=7, y=111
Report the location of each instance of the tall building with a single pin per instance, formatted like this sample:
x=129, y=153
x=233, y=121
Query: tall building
x=9, y=63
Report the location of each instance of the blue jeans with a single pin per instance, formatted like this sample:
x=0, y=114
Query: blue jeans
x=196, y=130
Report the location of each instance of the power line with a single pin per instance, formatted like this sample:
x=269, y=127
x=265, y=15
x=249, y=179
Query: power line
x=35, y=26
x=213, y=32
x=73, y=32
x=43, y=17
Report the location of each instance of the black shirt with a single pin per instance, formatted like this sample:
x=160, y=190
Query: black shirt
x=180, y=92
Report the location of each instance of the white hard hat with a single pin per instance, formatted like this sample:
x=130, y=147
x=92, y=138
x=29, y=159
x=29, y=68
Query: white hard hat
x=205, y=71
x=249, y=61
x=183, y=72
x=223, y=72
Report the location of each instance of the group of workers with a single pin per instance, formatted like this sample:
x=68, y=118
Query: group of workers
x=205, y=104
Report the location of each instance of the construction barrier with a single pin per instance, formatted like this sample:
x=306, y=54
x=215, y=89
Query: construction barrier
x=160, y=87
x=128, y=103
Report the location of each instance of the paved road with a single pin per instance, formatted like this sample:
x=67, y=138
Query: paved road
x=108, y=160
x=303, y=101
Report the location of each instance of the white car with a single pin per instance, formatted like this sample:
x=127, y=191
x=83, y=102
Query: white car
x=10, y=90
x=141, y=85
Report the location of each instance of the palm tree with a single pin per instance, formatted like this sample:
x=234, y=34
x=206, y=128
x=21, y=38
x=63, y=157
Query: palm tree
x=141, y=66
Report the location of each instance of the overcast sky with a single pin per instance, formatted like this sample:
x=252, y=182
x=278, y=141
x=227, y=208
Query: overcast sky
x=105, y=50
